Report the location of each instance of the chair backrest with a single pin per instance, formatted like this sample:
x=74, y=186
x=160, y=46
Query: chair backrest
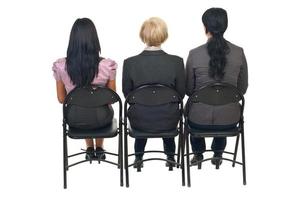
x=90, y=102
x=91, y=96
x=153, y=95
x=155, y=108
x=216, y=94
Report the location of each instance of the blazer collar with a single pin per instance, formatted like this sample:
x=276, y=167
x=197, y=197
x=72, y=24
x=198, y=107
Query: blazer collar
x=152, y=53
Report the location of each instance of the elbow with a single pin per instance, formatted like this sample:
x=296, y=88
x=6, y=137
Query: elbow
x=245, y=88
x=126, y=91
x=244, y=91
x=125, y=94
x=189, y=92
x=61, y=100
x=182, y=94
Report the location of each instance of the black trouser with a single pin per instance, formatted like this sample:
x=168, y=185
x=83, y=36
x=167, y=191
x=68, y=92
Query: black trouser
x=199, y=145
x=168, y=143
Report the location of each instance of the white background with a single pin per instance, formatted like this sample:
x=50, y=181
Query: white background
x=34, y=34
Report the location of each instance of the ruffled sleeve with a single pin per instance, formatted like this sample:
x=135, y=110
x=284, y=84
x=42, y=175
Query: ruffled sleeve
x=109, y=68
x=57, y=68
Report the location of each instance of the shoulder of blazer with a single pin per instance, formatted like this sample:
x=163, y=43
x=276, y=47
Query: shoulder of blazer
x=175, y=57
x=153, y=53
x=198, y=49
x=231, y=45
x=131, y=59
x=235, y=51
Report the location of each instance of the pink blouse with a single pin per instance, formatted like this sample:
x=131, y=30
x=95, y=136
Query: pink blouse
x=107, y=71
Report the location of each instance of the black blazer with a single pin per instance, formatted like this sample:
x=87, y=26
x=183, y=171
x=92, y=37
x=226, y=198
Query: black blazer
x=153, y=67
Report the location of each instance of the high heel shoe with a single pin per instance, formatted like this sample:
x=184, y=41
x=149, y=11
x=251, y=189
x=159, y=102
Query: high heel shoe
x=196, y=160
x=171, y=164
x=217, y=160
x=138, y=163
x=100, y=153
x=89, y=153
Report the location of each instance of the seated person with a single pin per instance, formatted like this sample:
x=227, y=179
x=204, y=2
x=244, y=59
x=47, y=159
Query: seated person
x=83, y=66
x=154, y=66
x=216, y=61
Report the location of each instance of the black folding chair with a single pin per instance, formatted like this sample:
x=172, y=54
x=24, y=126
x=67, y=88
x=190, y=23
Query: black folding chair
x=216, y=94
x=92, y=97
x=154, y=95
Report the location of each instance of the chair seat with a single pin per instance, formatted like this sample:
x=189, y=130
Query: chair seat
x=143, y=134
x=105, y=132
x=214, y=133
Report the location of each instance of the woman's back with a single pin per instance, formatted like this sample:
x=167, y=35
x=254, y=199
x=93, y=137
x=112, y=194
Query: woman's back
x=235, y=71
x=106, y=72
x=154, y=67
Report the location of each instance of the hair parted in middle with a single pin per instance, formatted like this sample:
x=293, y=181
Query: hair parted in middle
x=153, y=31
x=83, y=52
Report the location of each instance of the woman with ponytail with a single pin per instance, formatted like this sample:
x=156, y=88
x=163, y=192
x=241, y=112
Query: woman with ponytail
x=216, y=61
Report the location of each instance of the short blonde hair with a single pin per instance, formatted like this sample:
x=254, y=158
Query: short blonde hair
x=153, y=31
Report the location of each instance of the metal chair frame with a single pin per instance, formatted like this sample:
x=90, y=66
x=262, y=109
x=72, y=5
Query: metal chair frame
x=180, y=151
x=197, y=97
x=66, y=157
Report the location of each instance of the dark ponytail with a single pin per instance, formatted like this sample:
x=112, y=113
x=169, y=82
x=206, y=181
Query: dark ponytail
x=215, y=22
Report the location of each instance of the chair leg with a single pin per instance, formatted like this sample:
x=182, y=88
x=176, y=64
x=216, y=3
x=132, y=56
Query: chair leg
x=236, y=150
x=65, y=162
x=183, y=159
x=126, y=160
x=119, y=151
x=188, y=160
x=179, y=150
x=243, y=157
x=120, y=158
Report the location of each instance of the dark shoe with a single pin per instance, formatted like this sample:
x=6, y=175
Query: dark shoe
x=89, y=153
x=170, y=164
x=138, y=163
x=100, y=153
x=196, y=158
x=217, y=160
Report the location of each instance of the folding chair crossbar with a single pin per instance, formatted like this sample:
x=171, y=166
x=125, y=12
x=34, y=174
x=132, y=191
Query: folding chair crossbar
x=132, y=154
x=161, y=159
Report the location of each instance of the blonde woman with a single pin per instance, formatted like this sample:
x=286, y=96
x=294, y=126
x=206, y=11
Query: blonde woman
x=153, y=66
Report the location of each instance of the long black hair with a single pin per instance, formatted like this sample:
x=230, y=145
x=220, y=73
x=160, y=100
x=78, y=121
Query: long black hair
x=215, y=22
x=83, y=52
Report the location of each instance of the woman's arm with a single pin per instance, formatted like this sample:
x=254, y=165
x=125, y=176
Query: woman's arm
x=127, y=85
x=189, y=76
x=242, y=83
x=180, y=79
x=61, y=92
x=112, y=85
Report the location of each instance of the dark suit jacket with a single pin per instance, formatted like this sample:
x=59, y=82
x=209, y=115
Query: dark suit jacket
x=197, y=75
x=153, y=67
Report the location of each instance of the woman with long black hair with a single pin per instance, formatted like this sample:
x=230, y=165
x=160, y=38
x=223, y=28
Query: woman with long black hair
x=83, y=66
x=216, y=61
